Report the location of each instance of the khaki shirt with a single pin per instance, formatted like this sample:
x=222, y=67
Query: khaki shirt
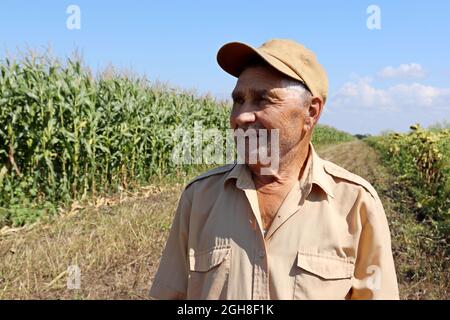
x=329, y=240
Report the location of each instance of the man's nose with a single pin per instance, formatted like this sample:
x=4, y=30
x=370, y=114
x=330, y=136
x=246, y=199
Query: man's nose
x=245, y=115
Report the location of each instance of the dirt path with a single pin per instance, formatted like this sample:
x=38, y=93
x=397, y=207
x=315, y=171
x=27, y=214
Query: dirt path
x=117, y=247
x=355, y=156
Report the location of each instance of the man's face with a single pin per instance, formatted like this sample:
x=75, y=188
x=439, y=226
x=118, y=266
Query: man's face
x=262, y=101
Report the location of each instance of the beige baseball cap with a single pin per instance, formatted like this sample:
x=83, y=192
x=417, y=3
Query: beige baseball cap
x=287, y=56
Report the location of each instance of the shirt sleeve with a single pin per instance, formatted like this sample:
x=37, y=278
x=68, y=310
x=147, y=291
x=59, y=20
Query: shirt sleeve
x=171, y=278
x=374, y=275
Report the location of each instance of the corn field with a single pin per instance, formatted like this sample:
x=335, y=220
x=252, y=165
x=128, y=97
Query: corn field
x=324, y=135
x=66, y=135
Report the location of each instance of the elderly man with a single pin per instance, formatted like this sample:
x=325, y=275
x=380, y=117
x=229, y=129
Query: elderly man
x=307, y=230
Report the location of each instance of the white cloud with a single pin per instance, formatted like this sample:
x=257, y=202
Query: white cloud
x=361, y=93
x=410, y=71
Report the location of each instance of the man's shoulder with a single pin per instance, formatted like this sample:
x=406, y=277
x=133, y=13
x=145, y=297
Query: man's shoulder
x=349, y=177
x=211, y=173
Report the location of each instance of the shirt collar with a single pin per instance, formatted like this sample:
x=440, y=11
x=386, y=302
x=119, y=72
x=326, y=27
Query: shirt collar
x=243, y=176
x=318, y=174
x=314, y=174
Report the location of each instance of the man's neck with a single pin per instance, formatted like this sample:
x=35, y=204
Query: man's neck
x=290, y=170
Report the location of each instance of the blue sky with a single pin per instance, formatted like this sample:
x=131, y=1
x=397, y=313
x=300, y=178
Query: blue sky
x=379, y=79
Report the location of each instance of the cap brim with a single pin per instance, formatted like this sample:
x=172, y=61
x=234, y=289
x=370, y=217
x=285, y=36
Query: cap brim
x=233, y=57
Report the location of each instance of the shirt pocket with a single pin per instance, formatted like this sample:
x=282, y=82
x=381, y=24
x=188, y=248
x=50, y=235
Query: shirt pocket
x=322, y=275
x=208, y=273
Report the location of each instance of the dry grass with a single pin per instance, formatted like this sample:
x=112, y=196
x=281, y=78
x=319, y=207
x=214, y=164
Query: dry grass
x=117, y=244
x=116, y=247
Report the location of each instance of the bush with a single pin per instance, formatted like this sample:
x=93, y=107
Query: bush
x=421, y=160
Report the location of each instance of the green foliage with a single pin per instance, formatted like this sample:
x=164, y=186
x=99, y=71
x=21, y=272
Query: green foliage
x=65, y=135
x=421, y=160
x=324, y=135
x=18, y=215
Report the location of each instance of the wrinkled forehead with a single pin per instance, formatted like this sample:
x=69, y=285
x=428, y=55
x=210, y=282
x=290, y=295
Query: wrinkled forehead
x=261, y=77
x=260, y=80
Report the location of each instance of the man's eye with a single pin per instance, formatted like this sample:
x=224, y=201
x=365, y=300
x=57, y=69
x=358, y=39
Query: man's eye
x=238, y=101
x=263, y=99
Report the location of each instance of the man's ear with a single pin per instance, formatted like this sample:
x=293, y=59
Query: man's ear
x=315, y=110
